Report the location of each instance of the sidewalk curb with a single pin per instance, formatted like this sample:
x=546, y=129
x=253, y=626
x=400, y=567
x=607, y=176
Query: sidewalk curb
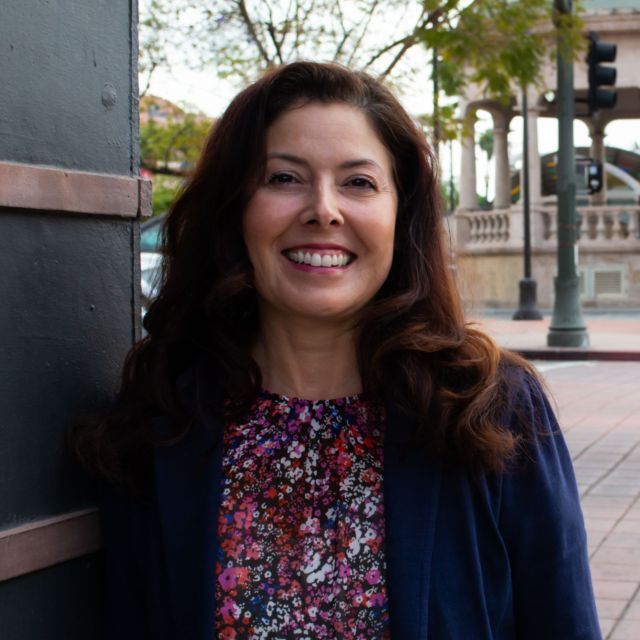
x=578, y=354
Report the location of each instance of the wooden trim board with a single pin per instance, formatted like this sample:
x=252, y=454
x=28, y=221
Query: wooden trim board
x=47, y=542
x=24, y=186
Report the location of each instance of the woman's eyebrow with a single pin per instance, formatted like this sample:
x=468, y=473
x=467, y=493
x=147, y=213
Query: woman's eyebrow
x=278, y=155
x=348, y=164
x=360, y=162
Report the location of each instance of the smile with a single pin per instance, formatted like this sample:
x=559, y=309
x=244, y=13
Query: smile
x=320, y=259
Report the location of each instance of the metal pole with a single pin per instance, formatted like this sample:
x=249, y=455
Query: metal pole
x=452, y=198
x=567, y=327
x=436, y=102
x=527, y=306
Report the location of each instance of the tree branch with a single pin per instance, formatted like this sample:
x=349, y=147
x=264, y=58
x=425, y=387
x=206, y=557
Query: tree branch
x=363, y=32
x=248, y=23
x=406, y=43
x=271, y=30
x=305, y=16
x=152, y=67
x=346, y=33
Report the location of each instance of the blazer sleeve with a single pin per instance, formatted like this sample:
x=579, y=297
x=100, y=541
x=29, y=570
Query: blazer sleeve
x=124, y=602
x=543, y=528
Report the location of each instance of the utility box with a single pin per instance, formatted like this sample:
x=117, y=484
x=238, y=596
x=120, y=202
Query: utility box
x=70, y=199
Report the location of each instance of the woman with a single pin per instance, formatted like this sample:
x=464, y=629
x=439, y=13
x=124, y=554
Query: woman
x=311, y=442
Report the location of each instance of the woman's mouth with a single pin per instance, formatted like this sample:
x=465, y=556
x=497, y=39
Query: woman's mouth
x=318, y=258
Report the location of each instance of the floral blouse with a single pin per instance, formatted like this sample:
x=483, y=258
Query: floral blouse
x=301, y=523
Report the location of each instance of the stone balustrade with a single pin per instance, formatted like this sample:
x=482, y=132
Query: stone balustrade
x=488, y=227
x=602, y=225
x=608, y=228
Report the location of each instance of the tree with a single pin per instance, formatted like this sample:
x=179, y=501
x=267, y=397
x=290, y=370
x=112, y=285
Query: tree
x=495, y=43
x=485, y=142
x=171, y=140
x=499, y=45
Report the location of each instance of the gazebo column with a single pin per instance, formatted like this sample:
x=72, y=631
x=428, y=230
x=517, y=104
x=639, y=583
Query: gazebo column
x=501, y=154
x=468, y=194
x=598, y=153
x=535, y=172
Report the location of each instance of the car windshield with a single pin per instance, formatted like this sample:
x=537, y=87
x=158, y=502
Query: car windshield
x=150, y=236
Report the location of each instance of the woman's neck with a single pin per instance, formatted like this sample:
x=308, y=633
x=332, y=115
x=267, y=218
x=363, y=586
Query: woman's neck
x=308, y=359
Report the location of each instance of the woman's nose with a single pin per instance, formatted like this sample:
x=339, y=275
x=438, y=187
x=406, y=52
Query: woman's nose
x=324, y=209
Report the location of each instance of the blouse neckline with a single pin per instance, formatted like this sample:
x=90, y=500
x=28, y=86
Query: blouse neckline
x=280, y=398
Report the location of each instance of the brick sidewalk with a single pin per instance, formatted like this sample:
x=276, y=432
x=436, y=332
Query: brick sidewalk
x=598, y=405
x=614, y=334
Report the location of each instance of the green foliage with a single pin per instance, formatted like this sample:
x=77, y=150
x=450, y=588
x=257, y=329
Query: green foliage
x=173, y=146
x=499, y=45
x=485, y=142
x=165, y=191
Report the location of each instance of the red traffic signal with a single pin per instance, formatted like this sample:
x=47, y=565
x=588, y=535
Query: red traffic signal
x=600, y=75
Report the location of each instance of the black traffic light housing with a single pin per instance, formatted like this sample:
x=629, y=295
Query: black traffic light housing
x=600, y=75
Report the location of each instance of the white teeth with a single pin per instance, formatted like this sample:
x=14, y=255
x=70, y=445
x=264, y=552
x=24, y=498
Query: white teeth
x=319, y=260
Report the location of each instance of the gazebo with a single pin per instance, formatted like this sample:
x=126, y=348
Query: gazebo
x=489, y=243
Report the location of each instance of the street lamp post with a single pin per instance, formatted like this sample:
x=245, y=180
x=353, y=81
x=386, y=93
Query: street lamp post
x=527, y=302
x=567, y=327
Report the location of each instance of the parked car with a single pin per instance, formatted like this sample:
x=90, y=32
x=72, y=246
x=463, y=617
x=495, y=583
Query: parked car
x=150, y=260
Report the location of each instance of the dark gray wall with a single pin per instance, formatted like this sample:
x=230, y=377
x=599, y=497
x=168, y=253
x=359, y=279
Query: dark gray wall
x=61, y=602
x=65, y=326
x=68, y=282
x=66, y=73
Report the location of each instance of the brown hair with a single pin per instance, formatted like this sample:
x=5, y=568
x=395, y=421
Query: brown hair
x=415, y=349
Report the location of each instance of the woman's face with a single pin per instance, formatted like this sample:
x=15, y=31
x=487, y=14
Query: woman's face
x=319, y=230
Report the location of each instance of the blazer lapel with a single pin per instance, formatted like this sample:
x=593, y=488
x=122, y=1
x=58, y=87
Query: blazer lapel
x=411, y=490
x=188, y=478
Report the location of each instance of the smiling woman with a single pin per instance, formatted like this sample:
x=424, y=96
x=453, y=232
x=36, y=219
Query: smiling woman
x=319, y=233
x=311, y=441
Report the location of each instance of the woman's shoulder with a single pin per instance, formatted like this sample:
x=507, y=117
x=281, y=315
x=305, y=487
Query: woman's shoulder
x=524, y=389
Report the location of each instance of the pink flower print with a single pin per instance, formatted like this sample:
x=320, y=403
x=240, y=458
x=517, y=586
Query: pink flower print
x=373, y=576
x=344, y=571
x=296, y=449
x=242, y=575
x=227, y=634
x=376, y=600
x=229, y=611
x=227, y=579
x=253, y=552
x=311, y=525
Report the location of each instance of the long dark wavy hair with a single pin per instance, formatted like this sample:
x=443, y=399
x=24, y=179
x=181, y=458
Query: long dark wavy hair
x=415, y=351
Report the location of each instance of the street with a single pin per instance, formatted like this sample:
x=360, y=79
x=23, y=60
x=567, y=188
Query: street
x=598, y=406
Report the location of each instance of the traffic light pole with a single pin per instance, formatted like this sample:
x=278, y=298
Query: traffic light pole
x=527, y=309
x=567, y=327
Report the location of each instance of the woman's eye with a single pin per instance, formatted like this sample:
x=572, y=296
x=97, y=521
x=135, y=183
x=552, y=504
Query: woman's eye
x=361, y=183
x=281, y=178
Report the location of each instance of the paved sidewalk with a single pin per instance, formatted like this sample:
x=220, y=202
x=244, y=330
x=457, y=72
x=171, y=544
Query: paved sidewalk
x=613, y=336
x=598, y=405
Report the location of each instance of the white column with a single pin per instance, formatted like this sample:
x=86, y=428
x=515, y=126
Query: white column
x=535, y=172
x=501, y=154
x=468, y=194
x=598, y=153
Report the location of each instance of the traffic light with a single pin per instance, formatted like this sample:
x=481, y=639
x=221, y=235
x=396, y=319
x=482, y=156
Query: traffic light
x=599, y=75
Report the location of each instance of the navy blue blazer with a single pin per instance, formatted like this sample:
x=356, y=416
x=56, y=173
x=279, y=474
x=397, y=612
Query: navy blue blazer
x=469, y=557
